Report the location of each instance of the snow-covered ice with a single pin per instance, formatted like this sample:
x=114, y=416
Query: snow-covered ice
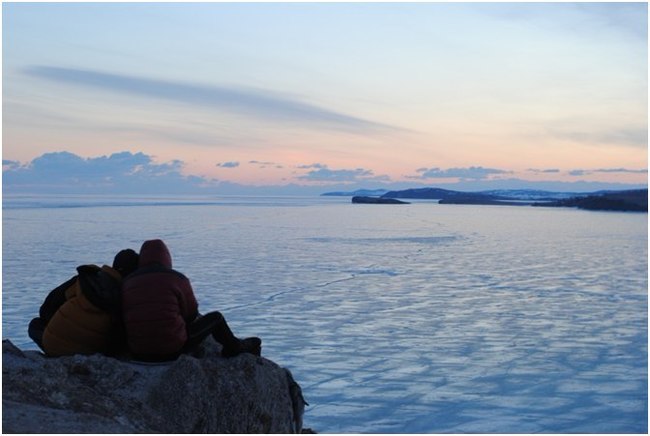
x=394, y=319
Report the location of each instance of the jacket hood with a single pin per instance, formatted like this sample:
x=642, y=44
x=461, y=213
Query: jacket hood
x=126, y=261
x=155, y=251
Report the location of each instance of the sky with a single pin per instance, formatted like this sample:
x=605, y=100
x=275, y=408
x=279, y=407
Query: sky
x=308, y=97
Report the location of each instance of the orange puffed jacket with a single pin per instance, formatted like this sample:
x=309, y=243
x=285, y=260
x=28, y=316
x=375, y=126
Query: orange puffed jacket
x=88, y=321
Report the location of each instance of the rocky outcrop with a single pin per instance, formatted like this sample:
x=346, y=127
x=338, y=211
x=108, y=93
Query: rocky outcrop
x=203, y=393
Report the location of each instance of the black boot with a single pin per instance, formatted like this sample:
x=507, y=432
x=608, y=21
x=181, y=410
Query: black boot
x=35, y=331
x=251, y=345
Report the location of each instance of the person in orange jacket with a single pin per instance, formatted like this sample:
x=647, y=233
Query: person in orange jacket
x=82, y=315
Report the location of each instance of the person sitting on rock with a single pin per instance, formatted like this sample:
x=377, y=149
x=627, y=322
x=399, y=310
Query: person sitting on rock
x=82, y=315
x=161, y=316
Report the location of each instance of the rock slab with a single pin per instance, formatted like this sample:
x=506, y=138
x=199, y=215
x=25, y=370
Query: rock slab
x=99, y=394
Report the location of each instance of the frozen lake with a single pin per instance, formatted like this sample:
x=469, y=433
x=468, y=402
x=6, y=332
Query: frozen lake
x=394, y=319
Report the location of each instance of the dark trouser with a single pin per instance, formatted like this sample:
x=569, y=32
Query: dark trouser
x=35, y=331
x=211, y=323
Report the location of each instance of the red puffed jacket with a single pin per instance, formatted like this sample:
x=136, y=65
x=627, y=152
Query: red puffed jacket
x=157, y=304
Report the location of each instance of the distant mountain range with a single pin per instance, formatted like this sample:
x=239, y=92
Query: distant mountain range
x=443, y=194
x=503, y=194
x=627, y=200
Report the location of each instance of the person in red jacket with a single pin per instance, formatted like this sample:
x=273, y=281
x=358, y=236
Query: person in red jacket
x=161, y=315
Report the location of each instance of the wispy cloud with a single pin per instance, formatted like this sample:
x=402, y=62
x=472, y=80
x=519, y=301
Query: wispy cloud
x=228, y=164
x=621, y=170
x=472, y=173
x=628, y=18
x=581, y=172
x=321, y=173
x=310, y=166
x=247, y=101
x=545, y=171
x=264, y=164
x=628, y=136
x=606, y=18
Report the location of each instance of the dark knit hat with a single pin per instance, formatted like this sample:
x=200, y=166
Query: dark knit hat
x=126, y=261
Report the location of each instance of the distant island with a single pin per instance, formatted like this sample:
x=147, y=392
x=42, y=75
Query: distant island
x=630, y=201
x=635, y=200
x=376, y=200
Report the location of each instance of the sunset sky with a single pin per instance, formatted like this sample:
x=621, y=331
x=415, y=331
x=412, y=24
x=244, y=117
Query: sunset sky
x=371, y=95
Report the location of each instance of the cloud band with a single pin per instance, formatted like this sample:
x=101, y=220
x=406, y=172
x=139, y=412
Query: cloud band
x=252, y=102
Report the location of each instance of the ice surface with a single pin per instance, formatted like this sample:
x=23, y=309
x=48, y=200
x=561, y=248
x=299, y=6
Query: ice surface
x=410, y=319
